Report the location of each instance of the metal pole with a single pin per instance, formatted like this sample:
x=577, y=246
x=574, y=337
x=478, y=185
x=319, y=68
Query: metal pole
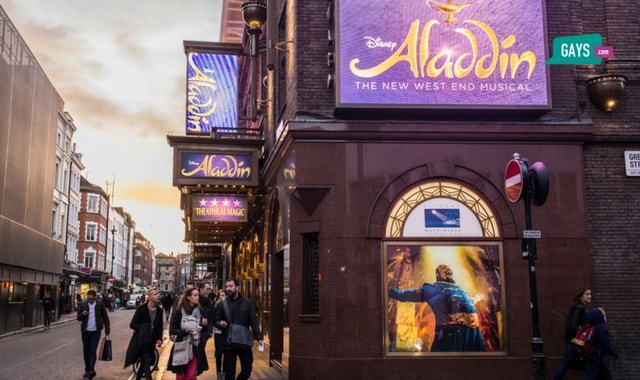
x=537, y=345
x=113, y=248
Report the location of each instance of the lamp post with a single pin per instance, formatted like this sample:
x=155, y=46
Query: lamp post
x=532, y=185
x=113, y=248
x=254, y=14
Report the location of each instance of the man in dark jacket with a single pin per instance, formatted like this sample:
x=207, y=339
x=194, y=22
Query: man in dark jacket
x=242, y=312
x=49, y=309
x=206, y=309
x=93, y=317
x=167, y=305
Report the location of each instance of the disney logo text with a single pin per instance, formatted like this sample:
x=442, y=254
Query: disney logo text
x=373, y=43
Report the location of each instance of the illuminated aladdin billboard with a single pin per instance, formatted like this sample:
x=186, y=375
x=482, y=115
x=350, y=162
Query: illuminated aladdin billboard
x=212, y=93
x=198, y=166
x=442, y=54
x=219, y=207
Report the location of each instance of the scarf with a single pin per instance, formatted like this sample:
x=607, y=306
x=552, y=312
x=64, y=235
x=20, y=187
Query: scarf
x=192, y=322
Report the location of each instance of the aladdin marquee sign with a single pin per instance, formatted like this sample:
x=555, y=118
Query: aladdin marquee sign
x=216, y=167
x=441, y=54
x=212, y=93
x=219, y=207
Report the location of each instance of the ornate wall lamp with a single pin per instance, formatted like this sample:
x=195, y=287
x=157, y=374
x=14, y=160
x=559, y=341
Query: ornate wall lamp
x=254, y=14
x=606, y=88
x=605, y=91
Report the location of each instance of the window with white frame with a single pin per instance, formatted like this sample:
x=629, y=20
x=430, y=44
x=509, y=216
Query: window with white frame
x=91, y=233
x=92, y=203
x=89, y=257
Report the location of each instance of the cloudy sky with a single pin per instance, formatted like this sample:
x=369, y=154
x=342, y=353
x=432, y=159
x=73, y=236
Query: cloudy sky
x=120, y=67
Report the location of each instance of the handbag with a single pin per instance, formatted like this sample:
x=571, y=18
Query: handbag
x=238, y=336
x=182, y=352
x=105, y=353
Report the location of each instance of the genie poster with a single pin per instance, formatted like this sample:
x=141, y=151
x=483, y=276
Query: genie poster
x=444, y=299
x=458, y=54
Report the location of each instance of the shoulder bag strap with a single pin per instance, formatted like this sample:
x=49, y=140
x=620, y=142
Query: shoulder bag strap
x=226, y=310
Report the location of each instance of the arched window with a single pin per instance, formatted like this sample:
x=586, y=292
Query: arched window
x=442, y=257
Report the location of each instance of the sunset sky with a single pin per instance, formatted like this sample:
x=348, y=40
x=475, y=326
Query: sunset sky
x=120, y=67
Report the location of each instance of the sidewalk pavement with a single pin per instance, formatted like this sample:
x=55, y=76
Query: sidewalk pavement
x=64, y=318
x=261, y=369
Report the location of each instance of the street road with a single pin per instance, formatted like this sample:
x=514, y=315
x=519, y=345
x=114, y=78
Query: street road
x=57, y=353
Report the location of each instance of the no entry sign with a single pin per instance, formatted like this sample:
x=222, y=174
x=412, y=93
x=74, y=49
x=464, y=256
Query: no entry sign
x=514, y=176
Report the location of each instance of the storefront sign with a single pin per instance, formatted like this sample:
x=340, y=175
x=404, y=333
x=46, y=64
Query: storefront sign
x=442, y=54
x=224, y=208
x=206, y=253
x=215, y=167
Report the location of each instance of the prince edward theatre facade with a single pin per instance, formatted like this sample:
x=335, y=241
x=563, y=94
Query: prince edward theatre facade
x=415, y=188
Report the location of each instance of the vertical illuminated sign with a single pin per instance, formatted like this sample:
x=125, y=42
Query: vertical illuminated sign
x=212, y=93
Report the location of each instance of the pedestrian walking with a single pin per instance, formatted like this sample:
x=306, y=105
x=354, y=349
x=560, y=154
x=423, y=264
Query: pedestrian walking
x=49, y=307
x=186, y=323
x=167, y=305
x=596, y=367
x=206, y=308
x=217, y=339
x=93, y=317
x=147, y=334
x=242, y=312
x=576, y=319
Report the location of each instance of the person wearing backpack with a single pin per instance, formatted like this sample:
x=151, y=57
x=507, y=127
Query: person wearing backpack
x=601, y=340
x=576, y=318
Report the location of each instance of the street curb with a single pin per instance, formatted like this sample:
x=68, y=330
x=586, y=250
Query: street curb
x=25, y=330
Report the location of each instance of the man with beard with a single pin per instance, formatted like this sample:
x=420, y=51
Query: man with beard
x=457, y=323
x=242, y=312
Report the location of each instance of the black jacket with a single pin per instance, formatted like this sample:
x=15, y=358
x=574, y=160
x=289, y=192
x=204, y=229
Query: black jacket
x=48, y=304
x=242, y=312
x=145, y=333
x=576, y=319
x=206, y=308
x=102, y=317
x=175, y=329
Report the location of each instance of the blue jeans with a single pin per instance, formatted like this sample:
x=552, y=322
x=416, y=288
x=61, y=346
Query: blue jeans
x=90, y=340
x=569, y=353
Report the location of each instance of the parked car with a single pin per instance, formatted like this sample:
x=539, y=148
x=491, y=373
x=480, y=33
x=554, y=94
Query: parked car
x=132, y=302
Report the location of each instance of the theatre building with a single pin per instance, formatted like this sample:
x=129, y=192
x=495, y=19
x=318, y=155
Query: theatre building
x=407, y=190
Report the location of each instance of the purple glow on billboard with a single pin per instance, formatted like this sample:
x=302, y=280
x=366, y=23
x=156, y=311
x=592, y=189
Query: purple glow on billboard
x=210, y=165
x=223, y=208
x=442, y=54
x=212, y=93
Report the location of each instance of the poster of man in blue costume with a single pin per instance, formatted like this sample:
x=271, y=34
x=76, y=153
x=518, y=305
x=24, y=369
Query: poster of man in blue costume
x=444, y=299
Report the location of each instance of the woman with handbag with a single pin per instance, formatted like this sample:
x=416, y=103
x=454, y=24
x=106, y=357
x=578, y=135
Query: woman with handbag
x=147, y=333
x=187, y=359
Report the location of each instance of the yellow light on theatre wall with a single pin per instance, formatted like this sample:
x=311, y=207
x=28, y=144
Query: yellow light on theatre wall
x=605, y=91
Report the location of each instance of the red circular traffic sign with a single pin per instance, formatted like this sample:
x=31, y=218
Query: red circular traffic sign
x=514, y=176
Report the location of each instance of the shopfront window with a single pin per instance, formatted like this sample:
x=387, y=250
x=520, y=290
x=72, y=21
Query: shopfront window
x=17, y=292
